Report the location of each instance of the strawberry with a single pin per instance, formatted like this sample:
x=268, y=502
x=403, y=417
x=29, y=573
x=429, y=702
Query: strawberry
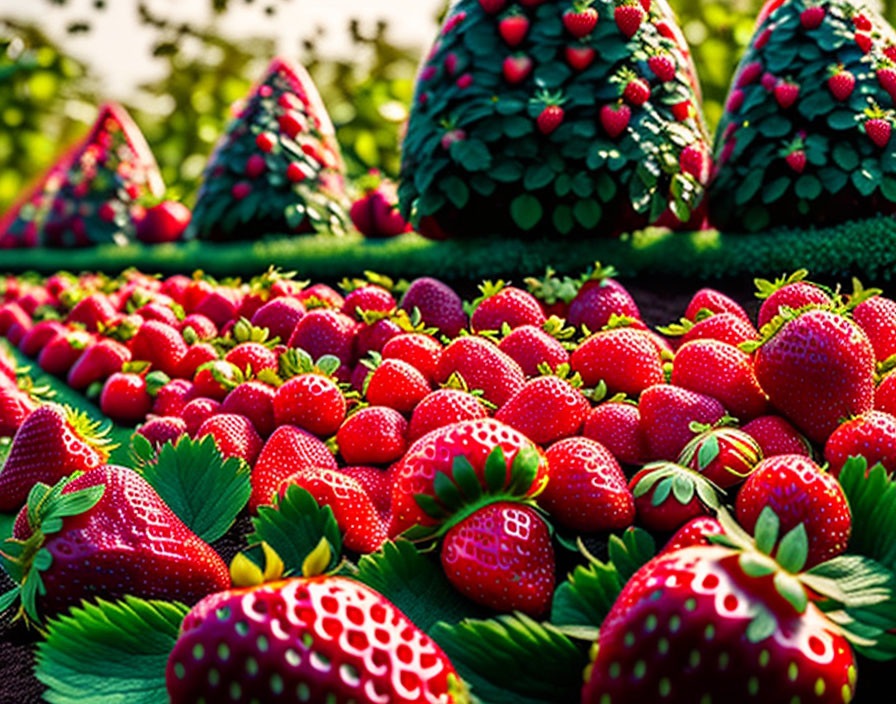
x=420, y=351
x=614, y=118
x=877, y=318
x=93, y=312
x=863, y=41
x=163, y=222
x=663, y=66
x=252, y=357
x=234, y=435
x=161, y=312
x=776, y=436
x=279, y=316
x=599, y=298
x=861, y=22
x=735, y=100
x=749, y=74
x=723, y=327
x=516, y=68
x=501, y=556
x=10, y=314
x=198, y=355
x=812, y=17
x=667, y=413
x=878, y=130
x=440, y=307
x=499, y=305
x=722, y=371
x=725, y=456
x=871, y=435
x=790, y=291
x=97, y=363
x=162, y=429
x=254, y=401
x=125, y=398
x=492, y=7
x=668, y=495
x=370, y=297
x=52, y=442
x=444, y=407
x=377, y=483
x=396, y=384
x=616, y=425
x=531, y=347
x=841, y=82
x=39, y=336
x=885, y=394
x=886, y=76
x=712, y=301
x=359, y=522
x=438, y=450
x=545, y=409
x=214, y=379
x=197, y=411
x=513, y=28
x=786, y=93
x=587, y=490
x=372, y=435
x=310, y=401
x=320, y=296
x=628, y=16
x=796, y=160
x=579, y=57
x=15, y=407
x=693, y=160
x=550, y=118
x=580, y=20
x=323, y=331
x=695, y=532
x=482, y=366
x=60, y=353
x=636, y=91
x=814, y=390
x=625, y=359
x=159, y=344
x=220, y=305
x=172, y=398
x=387, y=656
x=798, y=491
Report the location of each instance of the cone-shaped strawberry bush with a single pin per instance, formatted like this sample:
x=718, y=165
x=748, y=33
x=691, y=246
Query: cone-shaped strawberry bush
x=277, y=168
x=805, y=138
x=93, y=193
x=577, y=118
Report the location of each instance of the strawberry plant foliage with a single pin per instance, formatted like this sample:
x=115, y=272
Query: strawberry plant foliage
x=521, y=124
x=187, y=474
x=109, y=652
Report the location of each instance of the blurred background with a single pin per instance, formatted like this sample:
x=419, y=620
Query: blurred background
x=177, y=65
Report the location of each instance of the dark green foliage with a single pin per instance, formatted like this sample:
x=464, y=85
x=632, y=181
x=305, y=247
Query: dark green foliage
x=477, y=161
x=844, y=173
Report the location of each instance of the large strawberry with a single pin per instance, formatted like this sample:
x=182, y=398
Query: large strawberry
x=871, y=435
x=545, y=409
x=667, y=412
x=444, y=407
x=532, y=346
x=52, y=442
x=372, y=435
x=106, y=534
x=790, y=291
x=311, y=401
x=439, y=305
x=616, y=424
x=482, y=366
x=626, y=359
x=500, y=304
x=817, y=367
x=272, y=645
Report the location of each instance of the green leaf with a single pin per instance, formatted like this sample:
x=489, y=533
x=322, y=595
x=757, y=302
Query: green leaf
x=793, y=549
x=775, y=126
x=415, y=584
x=517, y=126
x=187, y=475
x=456, y=191
x=516, y=655
x=466, y=479
x=762, y=626
x=496, y=470
x=471, y=154
x=841, y=120
x=775, y=189
x=537, y=176
x=631, y=552
x=872, y=503
x=294, y=528
x=748, y=188
x=587, y=212
x=852, y=580
x=792, y=590
x=109, y=652
x=808, y=187
x=446, y=490
x=526, y=211
x=766, y=532
x=563, y=220
x=888, y=189
x=709, y=450
x=845, y=156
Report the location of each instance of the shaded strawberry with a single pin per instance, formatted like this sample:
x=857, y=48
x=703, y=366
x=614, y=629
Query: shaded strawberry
x=532, y=346
x=725, y=456
x=61, y=352
x=626, y=359
x=93, y=312
x=279, y=316
x=614, y=118
x=197, y=411
x=375, y=213
x=439, y=305
x=253, y=400
x=163, y=429
x=482, y=366
x=695, y=532
x=367, y=297
x=500, y=304
x=172, y=398
x=667, y=413
x=234, y=435
x=776, y=436
x=545, y=409
x=616, y=424
x=668, y=495
x=322, y=331
x=320, y=296
x=599, y=299
x=39, y=336
x=876, y=316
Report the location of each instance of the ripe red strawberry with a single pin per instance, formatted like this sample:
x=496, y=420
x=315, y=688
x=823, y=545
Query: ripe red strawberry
x=39, y=336
x=372, y=435
x=440, y=307
x=796, y=160
x=162, y=429
x=437, y=452
x=579, y=57
x=668, y=495
x=288, y=450
x=667, y=413
x=886, y=76
x=234, y=435
x=748, y=74
x=492, y=6
x=722, y=371
x=60, y=353
x=252, y=356
x=221, y=305
x=125, y=398
x=861, y=22
x=15, y=407
x=715, y=302
x=214, y=379
x=10, y=314
x=587, y=491
x=878, y=130
x=628, y=17
x=372, y=337
x=375, y=213
x=545, y=409
x=396, y=384
x=614, y=118
x=694, y=611
x=617, y=426
x=320, y=296
x=322, y=331
x=863, y=41
x=693, y=160
x=694, y=532
x=516, y=68
x=418, y=350
x=362, y=528
x=550, y=118
x=197, y=411
x=725, y=456
x=369, y=297
x=812, y=17
x=198, y=355
x=531, y=346
x=636, y=91
x=885, y=394
x=444, y=407
x=877, y=318
x=786, y=92
x=841, y=82
x=790, y=291
x=580, y=20
x=513, y=28
x=482, y=366
x=159, y=344
x=378, y=485
x=735, y=100
x=500, y=304
x=172, y=398
x=599, y=298
x=776, y=436
x=51, y=443
x=798, y=491
x=127, y=542
x=663, y=66
x=501, y=556
x=254, y=401
x=625, y=359
x=97, y=363
x=93, y=312
x=279, y=316
x=871, y=435
x=391, y=659
x=310, y=401
x=724, y=327
x=812, y=390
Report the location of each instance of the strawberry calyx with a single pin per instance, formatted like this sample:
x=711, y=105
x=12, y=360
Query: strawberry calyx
x=551, y=289
x=682, y=327
x=765, y=288
x=24, y=559
x=488, y=289
x=785, y=315
x=564, y=372
x=244, y=331
x=295, y=361
x=92, y=432
x=256, y=565
x=678, y=481
x=703, y=449
x=372, y=278
x=263, y=283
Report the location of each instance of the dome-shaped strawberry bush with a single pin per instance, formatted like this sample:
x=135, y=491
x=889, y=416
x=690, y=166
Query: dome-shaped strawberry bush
x=579, y=118
x=278, y=167
x=92, y=194
x=805, y=138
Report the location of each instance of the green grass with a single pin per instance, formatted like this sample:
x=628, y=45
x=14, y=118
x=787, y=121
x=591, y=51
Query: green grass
x=867, y=246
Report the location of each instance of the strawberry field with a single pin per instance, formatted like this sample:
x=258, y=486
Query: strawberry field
x=540, y=421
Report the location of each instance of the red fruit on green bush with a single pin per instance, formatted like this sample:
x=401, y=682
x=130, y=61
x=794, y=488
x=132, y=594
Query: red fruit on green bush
x=580, y=21
x=615, y=118
x=513, y=28
x=164, y=222
x=628, y=17
x=375, y=213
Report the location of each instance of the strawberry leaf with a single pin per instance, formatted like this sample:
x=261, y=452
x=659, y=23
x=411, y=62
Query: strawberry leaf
x=794, y=549
x=187, y=474
x=872, y=503
x=109, y=652
x=294, y=528
x=513, y=658
x=629, y=553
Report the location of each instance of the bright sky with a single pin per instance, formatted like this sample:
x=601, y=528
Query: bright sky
x=118, y=48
